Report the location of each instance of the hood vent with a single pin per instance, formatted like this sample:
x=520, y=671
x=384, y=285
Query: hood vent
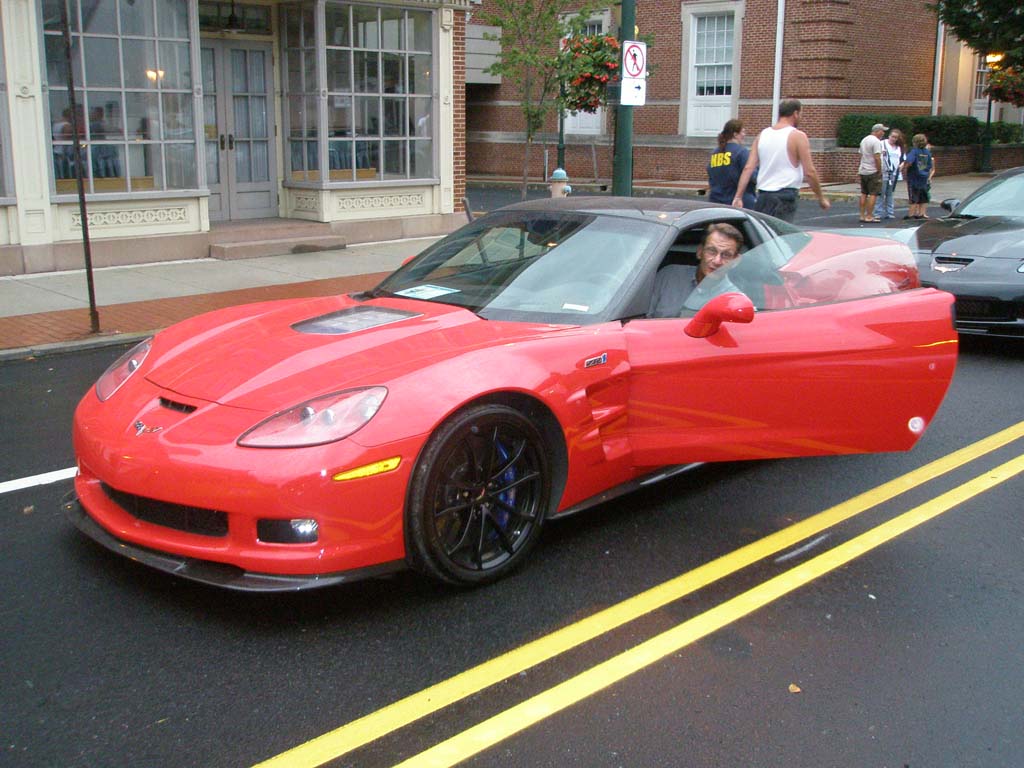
x=950, y=263
x=176, y=406
x=352, y=320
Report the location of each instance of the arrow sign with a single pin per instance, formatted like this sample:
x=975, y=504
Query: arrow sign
x=634, y=91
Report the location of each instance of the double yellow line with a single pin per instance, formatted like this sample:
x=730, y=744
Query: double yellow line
x=462, y=746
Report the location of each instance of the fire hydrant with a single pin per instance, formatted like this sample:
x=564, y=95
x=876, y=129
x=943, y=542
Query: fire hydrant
x=560, y=183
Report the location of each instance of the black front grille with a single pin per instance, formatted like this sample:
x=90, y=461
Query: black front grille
x=205, y=522
x=983, y=309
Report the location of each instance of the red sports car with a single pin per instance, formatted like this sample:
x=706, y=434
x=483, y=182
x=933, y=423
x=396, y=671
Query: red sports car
x=515, y=371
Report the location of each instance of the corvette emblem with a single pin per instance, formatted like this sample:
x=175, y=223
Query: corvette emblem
x=142, y=429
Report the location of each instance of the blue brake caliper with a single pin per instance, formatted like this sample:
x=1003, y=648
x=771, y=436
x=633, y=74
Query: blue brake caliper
x=501, y=515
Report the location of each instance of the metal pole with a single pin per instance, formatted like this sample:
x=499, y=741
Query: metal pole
x=561, y=129
x=622, y=160
x=94, y=316
x=986, y=145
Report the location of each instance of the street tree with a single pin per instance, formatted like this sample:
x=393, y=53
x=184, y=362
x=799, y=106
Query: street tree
x=987, y=26
x=531, y=35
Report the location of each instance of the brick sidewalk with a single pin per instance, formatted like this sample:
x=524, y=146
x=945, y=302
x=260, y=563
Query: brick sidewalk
x=72, y=325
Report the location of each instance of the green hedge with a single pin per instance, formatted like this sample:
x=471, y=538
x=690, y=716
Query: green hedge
x=948, y=130
x=1006, y=133
x=941, y=130
x=855, y=126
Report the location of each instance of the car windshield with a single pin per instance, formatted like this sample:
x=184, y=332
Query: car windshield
x=1000, y=197
x=532, y=265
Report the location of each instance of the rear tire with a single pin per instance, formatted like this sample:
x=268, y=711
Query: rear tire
x=479, y=496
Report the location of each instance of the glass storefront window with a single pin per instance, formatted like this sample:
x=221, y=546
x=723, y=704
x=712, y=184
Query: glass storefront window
x=133, y=74
x=378, y=88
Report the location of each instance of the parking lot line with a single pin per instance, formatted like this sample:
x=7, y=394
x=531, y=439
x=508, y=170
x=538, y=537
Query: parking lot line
x=526, y=714
x=375, y=725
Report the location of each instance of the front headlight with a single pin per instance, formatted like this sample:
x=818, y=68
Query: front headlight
x=122, y=369
x=321, y=420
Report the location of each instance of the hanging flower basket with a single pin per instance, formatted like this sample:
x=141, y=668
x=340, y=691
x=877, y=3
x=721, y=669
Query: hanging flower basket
x=1006, y=85
x=589, y=64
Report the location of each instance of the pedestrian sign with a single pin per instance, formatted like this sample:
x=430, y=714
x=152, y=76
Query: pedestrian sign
x=634, y=59
x=634, y=74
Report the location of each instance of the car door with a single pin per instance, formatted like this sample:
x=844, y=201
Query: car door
x=849, y=377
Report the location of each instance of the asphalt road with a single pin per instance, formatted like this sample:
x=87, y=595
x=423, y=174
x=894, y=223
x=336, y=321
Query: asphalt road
x=907, y=655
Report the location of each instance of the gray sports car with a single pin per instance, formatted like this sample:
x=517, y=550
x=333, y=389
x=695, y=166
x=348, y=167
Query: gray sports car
x=977, y=254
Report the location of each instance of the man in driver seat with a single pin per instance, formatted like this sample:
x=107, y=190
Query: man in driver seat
x=674, y=283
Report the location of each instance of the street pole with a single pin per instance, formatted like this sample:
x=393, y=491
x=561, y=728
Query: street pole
x=561, y=127
x=622, y=160
x=76, y=135
x=986, y=141
x=991, y=62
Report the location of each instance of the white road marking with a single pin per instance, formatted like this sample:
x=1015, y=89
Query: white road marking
x=44, y=479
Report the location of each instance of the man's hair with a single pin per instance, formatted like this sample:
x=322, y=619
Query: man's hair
x=920, y=140
x=788, y=107
x=726, y=230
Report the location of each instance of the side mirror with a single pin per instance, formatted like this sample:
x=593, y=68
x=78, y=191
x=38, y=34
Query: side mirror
x=950, y=203
x=727, y=308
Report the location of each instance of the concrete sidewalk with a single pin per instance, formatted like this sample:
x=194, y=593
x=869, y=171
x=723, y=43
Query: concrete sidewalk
x=48, y=312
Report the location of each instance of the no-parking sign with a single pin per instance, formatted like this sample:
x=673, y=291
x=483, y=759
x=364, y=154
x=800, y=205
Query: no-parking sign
x=634, y=73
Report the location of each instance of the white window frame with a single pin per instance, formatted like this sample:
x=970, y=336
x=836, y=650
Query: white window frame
x=590, y=123
x=691, y=11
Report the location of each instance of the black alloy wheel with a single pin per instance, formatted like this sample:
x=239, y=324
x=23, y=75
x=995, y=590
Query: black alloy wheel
x=479, y=496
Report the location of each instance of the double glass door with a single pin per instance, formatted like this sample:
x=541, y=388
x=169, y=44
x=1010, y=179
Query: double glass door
x=238, y=115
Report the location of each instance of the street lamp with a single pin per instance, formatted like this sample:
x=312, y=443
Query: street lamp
x=991, y=62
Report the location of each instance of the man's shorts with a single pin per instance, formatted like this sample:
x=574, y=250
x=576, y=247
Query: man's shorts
x=919, y=195
x=871, y=183
x=780, y=204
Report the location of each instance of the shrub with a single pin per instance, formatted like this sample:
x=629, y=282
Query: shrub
x=1007, y=133
x=855, y=126
x=947, y=130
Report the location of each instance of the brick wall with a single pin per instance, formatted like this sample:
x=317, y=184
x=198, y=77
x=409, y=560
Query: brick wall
x=459, y=108
x=868, y=52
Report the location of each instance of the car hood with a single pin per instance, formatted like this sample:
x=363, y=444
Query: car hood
x=998, y=237
x=275, y=355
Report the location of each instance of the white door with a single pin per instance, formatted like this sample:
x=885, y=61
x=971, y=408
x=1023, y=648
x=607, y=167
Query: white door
x=239, y=129
x=709, y=101
x=588, y=122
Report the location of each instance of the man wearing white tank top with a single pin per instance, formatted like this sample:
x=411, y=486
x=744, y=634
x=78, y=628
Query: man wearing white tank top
x=782, y=157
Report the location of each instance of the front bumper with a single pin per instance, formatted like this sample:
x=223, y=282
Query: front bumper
x=209, y=572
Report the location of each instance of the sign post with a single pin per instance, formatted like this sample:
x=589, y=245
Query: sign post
x=633, y=93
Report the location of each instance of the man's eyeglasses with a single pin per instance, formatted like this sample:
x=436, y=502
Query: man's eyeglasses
x=711, y=252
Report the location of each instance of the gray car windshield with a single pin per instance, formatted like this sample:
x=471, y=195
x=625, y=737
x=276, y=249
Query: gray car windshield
x=532, y=265
x=1000, y=197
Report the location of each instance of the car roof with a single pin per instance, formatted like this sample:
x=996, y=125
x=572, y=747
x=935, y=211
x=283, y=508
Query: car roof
x=661, y=209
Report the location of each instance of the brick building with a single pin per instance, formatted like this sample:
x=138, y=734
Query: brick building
x=209, y=124
x=716, y=59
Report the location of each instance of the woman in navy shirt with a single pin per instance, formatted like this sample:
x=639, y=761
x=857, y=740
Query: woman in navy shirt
x=726, y=165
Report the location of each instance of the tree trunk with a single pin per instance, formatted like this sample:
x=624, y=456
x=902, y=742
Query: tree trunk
x=526, y=166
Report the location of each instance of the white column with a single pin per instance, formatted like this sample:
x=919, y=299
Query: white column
x=29, y=131
x=446, y=115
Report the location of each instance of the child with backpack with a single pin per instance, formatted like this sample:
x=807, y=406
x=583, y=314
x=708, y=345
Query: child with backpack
x=918, y=169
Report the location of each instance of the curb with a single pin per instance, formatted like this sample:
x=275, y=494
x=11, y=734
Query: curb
x=78, y=345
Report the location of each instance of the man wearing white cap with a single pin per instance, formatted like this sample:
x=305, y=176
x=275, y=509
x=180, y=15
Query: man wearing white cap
x=870, y=171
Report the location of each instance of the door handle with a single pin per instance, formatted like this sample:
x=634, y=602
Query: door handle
x=222, y=142
x=231, y=141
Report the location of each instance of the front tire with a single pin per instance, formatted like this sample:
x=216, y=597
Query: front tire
x=479, y=496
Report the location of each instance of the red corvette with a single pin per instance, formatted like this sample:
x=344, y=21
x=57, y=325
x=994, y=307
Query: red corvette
x=513, y=372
